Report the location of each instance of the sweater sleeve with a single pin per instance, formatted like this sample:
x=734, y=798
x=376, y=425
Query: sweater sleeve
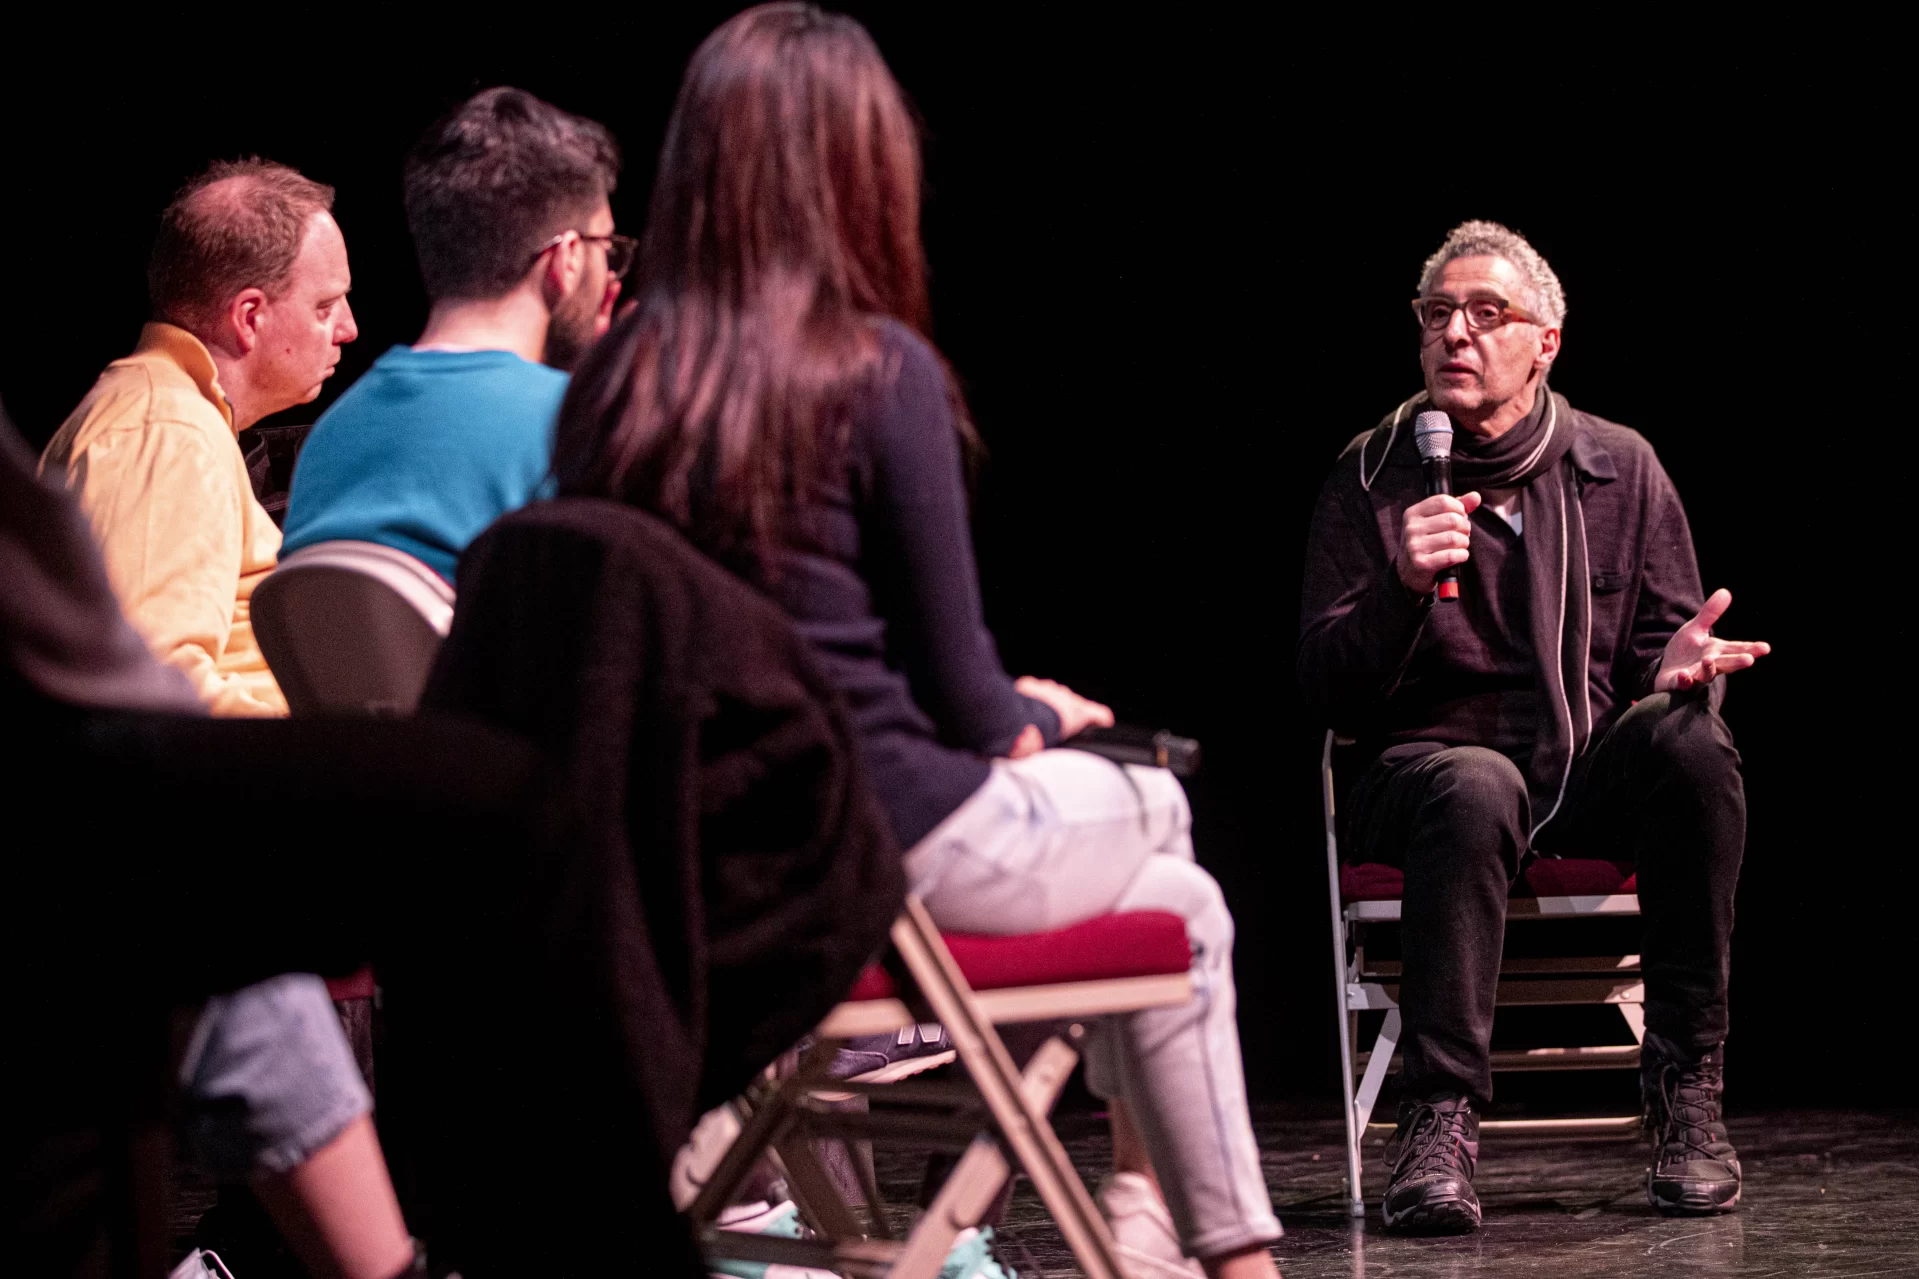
x=1358, y=624
x=919, y=549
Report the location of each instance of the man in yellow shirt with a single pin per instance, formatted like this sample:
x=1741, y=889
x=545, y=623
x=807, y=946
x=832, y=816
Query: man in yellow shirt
x=249, y=284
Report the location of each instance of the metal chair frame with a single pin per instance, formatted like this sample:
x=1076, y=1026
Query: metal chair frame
x=996, y=1119
x=1364, y=985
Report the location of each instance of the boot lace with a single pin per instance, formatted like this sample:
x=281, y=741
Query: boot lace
x=1689, y=1111
x=1435, y=1143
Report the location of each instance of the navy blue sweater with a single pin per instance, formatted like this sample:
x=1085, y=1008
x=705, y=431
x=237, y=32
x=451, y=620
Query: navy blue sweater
x=891, y=606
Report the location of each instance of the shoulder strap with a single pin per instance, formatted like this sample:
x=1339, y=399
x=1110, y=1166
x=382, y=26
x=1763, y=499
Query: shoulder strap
x=1391, y=427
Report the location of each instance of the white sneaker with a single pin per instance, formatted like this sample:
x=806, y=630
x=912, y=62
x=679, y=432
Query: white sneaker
x=971, y=1256
x=199, y=1264
x=780, y=1220
x=700, y=1157
x=1143, y=1229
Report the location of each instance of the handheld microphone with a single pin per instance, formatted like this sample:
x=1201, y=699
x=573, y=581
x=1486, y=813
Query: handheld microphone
x=1433, y=433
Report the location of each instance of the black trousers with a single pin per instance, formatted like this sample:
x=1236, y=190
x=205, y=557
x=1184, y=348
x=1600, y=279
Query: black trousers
x=1661, y=786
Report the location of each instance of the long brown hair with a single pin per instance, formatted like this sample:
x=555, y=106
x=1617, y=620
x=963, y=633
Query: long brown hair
x=784, y=224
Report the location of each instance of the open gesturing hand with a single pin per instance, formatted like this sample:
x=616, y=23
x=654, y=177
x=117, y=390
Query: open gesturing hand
x=1695, y=656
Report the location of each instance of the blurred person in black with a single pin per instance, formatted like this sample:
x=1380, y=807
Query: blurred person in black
x=117, y=916
x=773, y=394
x=439, y=850
x=1565, y=705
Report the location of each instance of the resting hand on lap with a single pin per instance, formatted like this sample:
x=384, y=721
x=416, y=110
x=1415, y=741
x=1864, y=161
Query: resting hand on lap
x=1695, y=656
x=1075, y=713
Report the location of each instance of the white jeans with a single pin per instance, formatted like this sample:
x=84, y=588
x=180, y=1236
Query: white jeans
x=1063, y=836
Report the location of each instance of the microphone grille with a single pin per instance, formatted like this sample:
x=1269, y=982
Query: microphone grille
x=1433, y=433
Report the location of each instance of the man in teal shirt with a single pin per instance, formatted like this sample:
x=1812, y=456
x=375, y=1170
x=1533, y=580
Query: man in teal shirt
x=507, y=202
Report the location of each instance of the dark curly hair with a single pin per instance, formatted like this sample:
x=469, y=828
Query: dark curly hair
x=495, y=179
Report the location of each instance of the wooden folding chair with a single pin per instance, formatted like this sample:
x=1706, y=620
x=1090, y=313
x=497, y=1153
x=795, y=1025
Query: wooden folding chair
x=1551, y=889
x=996, y=1118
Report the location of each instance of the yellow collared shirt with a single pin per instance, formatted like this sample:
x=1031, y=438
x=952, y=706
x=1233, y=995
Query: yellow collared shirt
x=153, y=458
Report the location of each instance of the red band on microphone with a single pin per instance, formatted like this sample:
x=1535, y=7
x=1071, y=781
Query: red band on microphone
x=1449, y=590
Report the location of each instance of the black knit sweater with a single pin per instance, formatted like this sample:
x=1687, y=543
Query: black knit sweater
x=891, y=601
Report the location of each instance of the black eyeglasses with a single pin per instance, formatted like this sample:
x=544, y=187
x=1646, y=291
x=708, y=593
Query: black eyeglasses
x=621, y=250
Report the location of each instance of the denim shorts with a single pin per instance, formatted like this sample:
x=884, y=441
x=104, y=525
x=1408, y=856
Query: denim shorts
x=269, y=1078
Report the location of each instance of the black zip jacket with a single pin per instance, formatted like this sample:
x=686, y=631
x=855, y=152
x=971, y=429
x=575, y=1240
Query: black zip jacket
x=1385, y=665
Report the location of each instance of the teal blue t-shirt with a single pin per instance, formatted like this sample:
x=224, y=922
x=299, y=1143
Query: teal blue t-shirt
x=425, y=451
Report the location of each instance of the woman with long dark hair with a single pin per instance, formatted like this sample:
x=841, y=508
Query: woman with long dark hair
x=773, y=394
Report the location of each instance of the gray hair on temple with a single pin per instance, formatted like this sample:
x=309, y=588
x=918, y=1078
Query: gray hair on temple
x=1490, y=239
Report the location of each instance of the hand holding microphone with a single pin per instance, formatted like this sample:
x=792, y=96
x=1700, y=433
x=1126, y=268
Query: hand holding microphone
x=1435, y=533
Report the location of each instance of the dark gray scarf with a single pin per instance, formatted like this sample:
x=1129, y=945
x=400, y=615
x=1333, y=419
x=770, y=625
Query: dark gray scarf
x=1532, y=457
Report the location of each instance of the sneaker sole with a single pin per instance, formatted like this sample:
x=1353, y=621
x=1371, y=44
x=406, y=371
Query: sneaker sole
x=893, y=1072
x=1447, y=1217
x=1144, y=1265
x=1692, y=1203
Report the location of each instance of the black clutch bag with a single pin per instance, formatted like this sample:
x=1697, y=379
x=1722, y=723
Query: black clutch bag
x=1125, y=744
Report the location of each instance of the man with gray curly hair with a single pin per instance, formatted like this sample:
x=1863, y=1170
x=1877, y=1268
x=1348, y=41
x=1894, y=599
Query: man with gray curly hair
x=1559, y=699
x=1544, y=293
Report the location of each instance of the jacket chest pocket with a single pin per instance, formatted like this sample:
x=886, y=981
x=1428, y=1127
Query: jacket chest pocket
x=1609, y=595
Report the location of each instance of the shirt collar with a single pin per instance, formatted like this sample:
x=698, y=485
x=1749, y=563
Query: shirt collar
x=190, y=356
x=1589, y=455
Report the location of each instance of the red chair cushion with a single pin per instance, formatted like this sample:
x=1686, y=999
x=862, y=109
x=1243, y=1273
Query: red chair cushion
x=1549, y=877
x=1135, y=943
x=1580, y=877
x=1371, y=882
x=354, y=986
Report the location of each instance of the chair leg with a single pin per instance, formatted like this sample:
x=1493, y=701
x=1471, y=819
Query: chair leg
x=976, y=1179
x=1355, y=1126
x=1342, y=977
x=1024, y=1128
x=1635, y=1015
x=813, y=1188
x=772, y=1104
x=1376, y=1070
x=1359, y=1107
x=870, y=1188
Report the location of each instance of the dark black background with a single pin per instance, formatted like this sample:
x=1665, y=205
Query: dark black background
x=1171, y=258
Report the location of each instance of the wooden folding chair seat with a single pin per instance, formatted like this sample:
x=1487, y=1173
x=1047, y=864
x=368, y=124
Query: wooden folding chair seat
x=1550, y=889
x=996, y=1118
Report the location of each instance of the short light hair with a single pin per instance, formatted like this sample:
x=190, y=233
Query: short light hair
x=239, y=225
x=1491, y=240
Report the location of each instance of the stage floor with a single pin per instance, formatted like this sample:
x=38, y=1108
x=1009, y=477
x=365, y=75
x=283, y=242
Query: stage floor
x=1828, y=1193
